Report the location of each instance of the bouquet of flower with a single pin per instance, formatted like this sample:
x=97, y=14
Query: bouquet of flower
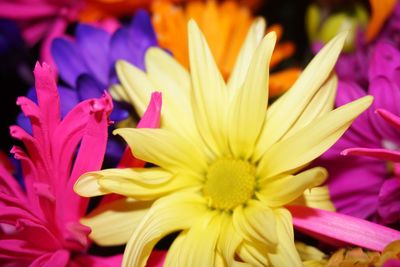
x=186, y=133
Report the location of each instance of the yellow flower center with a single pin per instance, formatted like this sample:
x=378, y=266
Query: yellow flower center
x=229, y=183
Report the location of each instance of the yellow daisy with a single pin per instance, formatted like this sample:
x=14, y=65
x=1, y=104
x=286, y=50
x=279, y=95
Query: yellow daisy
x=226, y=164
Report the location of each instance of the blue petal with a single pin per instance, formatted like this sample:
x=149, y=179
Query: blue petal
x=94, y=44
x=68, y=60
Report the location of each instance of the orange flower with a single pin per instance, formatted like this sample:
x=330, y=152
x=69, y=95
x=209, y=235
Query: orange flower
x=225, y=26
x=380, y=12
x=99, y=9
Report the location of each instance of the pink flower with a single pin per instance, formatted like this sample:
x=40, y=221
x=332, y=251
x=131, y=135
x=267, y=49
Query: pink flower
x=39, y=225
x=41, y=20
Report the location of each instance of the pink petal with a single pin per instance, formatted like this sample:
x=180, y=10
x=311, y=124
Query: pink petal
x=91, y=151
x=9, y=185
x=48, y=97
x=340, y=227
x=26, y=11
x=380, y=153
x=150, y=119
x=60, y=258
x=389, y=118
x=57, y=29
x=18, y=250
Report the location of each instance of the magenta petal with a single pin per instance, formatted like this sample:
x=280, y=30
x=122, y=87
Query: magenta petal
x=386, y=95
x=389, y=118
x=389, y=201
x=379, y=153
x=392, y=263
x=342, y=227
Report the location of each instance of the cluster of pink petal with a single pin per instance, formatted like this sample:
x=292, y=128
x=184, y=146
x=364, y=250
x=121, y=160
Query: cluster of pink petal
x=39, y=224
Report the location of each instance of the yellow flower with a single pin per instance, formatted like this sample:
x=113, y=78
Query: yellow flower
x=226, y=164
x=225, y=26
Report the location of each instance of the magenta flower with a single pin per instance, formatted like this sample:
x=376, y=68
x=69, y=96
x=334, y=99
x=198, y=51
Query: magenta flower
x=361, y=186
x=39, y=224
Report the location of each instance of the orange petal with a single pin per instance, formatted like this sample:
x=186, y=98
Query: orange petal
x=281, y=81
x=281, y=52
x=381, y=10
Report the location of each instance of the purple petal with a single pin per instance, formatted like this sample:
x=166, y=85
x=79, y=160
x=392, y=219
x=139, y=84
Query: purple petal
x=130, y=43
x=389, y=201
x=69, y=99
x=94, y=44
x=68, y=59
x=119, y=112
x=88, y=87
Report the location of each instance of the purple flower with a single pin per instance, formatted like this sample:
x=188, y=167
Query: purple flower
x=362, y=186
x=86, y=63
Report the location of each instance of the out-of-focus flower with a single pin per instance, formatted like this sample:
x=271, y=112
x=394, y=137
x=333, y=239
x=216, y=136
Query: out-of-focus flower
x=41, y=20
x=44, y=20
x=39, y=226
x=352, y=257
x=243, y=166
x=323, y=26
x=359, y=186
x=225, y=26
x=380, y=12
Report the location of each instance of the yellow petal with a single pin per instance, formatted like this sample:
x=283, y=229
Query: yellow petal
x=118, y=93
x=136, y=84
x=209, y=96
x=317, y=197
x=311, y=141
x=164, y=217
x=247, y=111
x=284, y=112
x=131, y=181
x=253, y=253
x=113, y=223
x=87, y=185
x=278, y=191
x=320, y=104
x=165, y=149
x=142, y=184
x=253, y=39
x=174, y=251
x=286, y=253
x=199, y=245
x=173, y=81
x=308, y=253
x=229, y=240
x=256, y=223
